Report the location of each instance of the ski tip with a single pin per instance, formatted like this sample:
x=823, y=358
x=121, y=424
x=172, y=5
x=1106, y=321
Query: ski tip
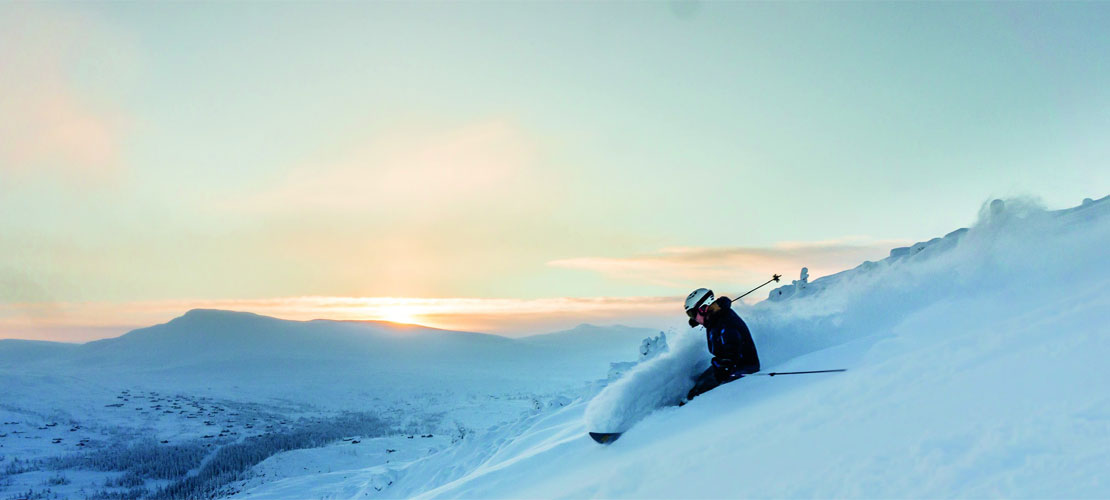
x=605, y=437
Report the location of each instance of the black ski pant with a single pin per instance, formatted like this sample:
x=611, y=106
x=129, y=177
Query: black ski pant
x=714, y=376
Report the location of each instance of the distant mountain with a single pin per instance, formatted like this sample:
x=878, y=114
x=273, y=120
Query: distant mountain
x=588, y=335
x=215, y=347
x=205, y=335
x=15, y=351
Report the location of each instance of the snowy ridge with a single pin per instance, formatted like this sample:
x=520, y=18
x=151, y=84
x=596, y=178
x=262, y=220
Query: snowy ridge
x=1015, y=245
x=14, y=350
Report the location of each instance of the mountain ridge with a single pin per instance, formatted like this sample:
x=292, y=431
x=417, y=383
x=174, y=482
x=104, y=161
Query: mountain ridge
x=244, y=345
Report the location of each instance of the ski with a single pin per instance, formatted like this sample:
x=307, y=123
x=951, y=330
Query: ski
x=605, y=437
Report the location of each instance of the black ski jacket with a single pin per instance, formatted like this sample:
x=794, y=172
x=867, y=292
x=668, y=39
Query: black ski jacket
x=729, y=340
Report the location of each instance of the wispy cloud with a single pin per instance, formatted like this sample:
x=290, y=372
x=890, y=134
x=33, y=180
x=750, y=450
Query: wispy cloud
x=686, y=267
x=422, y=208
x=48, y=122
x=406, y=171
x=681, y=268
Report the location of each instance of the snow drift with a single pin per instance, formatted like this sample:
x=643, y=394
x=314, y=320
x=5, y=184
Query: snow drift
x=649, y=386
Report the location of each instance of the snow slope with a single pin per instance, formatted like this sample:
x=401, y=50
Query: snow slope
x=976, y=368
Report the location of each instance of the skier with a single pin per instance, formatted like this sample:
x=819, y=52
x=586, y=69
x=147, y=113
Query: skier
x=728, y=337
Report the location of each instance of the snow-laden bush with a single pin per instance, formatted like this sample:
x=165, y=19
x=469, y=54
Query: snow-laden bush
x=650, y=347
x=57, y=480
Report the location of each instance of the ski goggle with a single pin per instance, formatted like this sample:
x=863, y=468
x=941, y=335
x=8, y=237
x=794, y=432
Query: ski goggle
x=702, y=309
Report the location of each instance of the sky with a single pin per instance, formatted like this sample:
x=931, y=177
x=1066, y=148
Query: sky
x=512, y=167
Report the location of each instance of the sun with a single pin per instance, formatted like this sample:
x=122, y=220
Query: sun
x=400, y=316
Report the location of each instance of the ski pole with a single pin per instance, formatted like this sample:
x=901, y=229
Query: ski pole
x=774, y=277
x=772, y=374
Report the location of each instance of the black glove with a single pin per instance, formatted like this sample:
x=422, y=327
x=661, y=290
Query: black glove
x=725, y=370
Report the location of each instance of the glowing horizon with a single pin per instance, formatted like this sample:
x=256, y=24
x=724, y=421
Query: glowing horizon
x=511, y=317
x=156, y=157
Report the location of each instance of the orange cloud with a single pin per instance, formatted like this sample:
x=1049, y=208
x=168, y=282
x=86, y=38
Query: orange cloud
x=47, y=123
x=688, y=267
x=414, y=211
x=408, y=171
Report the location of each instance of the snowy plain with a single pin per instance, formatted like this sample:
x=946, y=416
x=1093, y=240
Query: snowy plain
x=976, y=368
x=212, y=382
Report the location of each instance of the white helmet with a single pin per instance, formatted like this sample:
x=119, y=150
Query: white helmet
x=696, y=299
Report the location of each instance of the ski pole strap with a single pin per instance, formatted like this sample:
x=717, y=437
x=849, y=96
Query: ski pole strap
x=772, y=374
